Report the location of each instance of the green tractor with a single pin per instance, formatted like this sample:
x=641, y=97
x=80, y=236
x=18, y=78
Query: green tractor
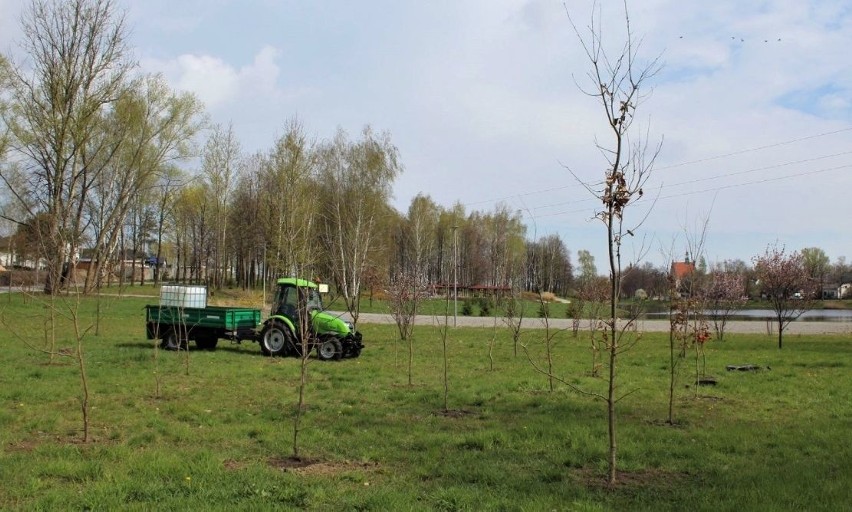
x=298, y=322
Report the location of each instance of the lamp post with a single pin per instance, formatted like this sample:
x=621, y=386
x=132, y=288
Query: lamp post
x=455, y=276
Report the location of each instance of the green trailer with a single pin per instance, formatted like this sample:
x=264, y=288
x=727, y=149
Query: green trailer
x=176, y=325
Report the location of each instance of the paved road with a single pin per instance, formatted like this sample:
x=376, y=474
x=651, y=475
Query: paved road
x=742, y=327
x=739, y=326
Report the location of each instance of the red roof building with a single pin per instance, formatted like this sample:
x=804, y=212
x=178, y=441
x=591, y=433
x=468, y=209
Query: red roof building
x=681, y=270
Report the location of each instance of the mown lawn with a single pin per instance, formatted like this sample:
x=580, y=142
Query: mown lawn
x=220, y=436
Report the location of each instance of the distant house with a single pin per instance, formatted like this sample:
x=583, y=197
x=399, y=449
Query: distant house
x=830, y=291
x=841, y=289
x=682, y=270
x=484, y=290
x=6, y=254
x=131, y=268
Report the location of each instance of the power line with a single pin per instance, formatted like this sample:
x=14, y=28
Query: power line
x=758, y=148
x=758, y=169
x=681, y=164
x=716, y=189
x=757, y=182
x=711, y=178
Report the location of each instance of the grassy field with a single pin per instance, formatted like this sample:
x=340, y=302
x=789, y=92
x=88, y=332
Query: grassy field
x=219, y=437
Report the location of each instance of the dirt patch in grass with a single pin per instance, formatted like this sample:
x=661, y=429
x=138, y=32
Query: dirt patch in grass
x=660, y=422
x=650, y=477
x=23, y=446
x=710, y=398
x=314, y=467
x=233, y=465
x=290, y=463
x=455, y=413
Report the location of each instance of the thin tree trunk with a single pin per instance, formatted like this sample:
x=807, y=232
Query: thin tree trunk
x=611, y=417
x=671, y=374
x=84, y=382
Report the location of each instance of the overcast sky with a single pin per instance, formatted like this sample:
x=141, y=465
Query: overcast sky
x=754, y=104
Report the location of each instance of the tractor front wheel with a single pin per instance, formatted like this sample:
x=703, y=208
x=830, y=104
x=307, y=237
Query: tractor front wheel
x=330, y=349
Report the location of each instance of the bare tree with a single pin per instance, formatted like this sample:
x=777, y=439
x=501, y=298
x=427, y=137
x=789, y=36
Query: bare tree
x=64, y=311
x=784, y=280
x=513, y=316
x=550, y=333
x=594, y=296
x=304, y=352
x=617, y=84
x=444, y=332
x=405, y=292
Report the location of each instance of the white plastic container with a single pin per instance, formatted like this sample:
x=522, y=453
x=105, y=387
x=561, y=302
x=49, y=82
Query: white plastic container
x=183, y=296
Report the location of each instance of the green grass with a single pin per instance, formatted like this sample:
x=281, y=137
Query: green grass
x=215, y=438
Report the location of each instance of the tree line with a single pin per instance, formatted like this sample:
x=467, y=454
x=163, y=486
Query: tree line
x=95, y=159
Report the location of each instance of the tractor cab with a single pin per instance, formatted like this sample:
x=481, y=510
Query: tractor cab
x=293, y=296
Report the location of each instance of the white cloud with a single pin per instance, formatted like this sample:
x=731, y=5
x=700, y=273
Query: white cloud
x=218, y=83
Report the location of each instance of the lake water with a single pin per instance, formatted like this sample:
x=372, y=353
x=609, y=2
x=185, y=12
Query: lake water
x=817, y=315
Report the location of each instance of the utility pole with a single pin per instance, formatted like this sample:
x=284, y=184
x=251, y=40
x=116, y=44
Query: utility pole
x=264, y=275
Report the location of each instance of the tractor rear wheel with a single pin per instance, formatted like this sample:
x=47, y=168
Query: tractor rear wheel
x=275, y=339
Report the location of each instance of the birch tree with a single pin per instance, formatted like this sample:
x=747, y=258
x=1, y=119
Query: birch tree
x=152, y=129
x=288, y=197
x=356, y=179
x=220, y=164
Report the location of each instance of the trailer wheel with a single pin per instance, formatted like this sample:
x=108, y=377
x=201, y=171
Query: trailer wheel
x=275, y=339
x=329, y=349
x=207, y=343
x=172, y=341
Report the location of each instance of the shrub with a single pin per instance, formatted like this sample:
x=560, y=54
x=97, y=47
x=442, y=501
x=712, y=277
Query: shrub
x=572, y=310
x=467, y=307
